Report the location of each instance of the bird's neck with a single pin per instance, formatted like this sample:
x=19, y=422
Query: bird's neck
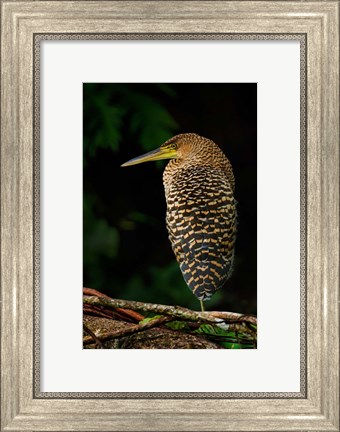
x=219, y=162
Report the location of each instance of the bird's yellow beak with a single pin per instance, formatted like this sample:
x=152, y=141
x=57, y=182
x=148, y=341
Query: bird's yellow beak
x=158, y=154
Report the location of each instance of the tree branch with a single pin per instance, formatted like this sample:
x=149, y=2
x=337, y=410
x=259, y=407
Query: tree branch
x=126, y=331
x=173, y=311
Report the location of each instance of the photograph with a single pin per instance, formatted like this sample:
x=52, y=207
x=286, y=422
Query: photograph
x=170, y=215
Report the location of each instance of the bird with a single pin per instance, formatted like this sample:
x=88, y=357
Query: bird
x=201, y=214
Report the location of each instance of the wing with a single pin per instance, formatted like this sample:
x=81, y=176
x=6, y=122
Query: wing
x=201, y=221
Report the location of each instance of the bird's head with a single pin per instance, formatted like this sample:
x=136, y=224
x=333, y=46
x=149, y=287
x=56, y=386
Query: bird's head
x=178, y=147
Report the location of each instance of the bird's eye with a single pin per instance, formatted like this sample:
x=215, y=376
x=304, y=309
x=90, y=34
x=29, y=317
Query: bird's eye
x=173, y=146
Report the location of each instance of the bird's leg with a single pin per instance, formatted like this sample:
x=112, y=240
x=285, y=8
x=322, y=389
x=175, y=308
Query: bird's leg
x=202, y=305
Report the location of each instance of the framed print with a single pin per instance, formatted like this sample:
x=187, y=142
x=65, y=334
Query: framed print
x=89, y=86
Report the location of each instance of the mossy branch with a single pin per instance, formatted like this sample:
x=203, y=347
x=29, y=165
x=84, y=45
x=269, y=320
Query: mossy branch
x=129, y=315
x=173, y=311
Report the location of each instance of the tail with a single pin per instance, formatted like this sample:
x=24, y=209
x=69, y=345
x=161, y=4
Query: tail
x=205, y=278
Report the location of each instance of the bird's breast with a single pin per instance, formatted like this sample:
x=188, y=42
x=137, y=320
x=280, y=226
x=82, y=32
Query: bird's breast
x=201, y=221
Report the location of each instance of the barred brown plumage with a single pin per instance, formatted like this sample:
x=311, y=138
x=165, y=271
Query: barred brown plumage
x=201, y=210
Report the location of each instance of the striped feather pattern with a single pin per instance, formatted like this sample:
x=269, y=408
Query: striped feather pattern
x=201, y=222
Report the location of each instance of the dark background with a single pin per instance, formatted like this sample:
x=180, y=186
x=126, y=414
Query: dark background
x=126, y=249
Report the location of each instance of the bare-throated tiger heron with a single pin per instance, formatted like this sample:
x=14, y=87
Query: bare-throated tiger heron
x=201, y=210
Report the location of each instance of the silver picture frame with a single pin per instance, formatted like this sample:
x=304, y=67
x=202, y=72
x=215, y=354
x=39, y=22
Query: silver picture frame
x=25, y=24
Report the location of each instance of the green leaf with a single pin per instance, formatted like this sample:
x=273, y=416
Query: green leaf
x=227, y=339
x=146, y=320
x=213, y=330
x=178, y=325
x=232, y=345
